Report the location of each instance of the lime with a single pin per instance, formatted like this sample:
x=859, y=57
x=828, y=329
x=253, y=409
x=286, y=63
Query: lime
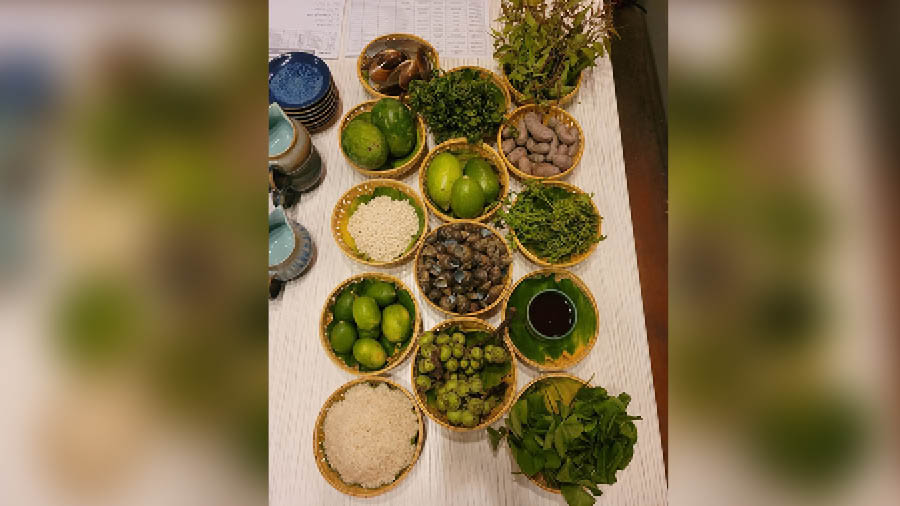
x=442, y=172
x=382, y=291
x=369, y=353
x=481, y=171
x=373, y=333
x=395, y=323
x=343, y=306
x=343, y=335
x=467, y=198
x=366, y=313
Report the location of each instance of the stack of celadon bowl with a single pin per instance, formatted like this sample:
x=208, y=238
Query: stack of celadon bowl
x=302, y=85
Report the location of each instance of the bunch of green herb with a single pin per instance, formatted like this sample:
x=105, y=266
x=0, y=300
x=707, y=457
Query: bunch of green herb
x=545, y=44
x=462, y=103
x=552, y=222
x=574, y=441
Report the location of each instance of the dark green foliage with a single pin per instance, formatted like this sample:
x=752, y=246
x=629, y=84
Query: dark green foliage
x=459, y=104
x=575, y=445
x=545, y=44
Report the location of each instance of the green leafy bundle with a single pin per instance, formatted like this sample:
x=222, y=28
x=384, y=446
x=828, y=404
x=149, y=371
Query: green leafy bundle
x=552, y=222
x=461, y=103
x=536, y=347
x=545, y=44
x=574, y=441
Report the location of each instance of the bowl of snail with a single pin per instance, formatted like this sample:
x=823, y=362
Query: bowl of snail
x=368, y=322
x=463, y=181
x=463, y=374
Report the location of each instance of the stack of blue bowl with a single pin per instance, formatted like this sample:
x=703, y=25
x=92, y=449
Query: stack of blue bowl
x=302, y=85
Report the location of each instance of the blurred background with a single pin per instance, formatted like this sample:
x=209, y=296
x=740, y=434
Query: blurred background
x=133, y=346
x=783, y=352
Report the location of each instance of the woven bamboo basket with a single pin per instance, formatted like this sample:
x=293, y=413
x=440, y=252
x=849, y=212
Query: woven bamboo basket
x=384, y=40
x=521, y=100
x=506, y=282
x=342, y=208
x=562, y=116
x=328, y=316
x=466, y=323
x=565, y=360
x=483, y=150
x=330, y=475
x=397, y=172
x=577, y=258
x=538, y=479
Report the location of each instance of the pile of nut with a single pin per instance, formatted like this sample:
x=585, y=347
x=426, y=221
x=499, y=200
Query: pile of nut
x=541, y=149
x=463, y=267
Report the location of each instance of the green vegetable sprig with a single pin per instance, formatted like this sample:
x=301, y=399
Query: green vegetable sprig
x=545, y=44
x=462, y=103
x=575, y=444
x=552, y=222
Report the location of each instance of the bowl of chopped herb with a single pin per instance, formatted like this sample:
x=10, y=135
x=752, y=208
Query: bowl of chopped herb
x=463, y=102
x=553, y=224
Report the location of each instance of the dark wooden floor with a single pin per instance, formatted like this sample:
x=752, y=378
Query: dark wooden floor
x=642, y=122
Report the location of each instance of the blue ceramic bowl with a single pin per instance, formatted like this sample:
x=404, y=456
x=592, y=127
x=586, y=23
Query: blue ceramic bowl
x=298, y=80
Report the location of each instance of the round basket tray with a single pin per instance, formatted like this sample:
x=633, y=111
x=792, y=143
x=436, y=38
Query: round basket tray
x=330, y=475
x=342, y=208
x=328, y=316
x=565, y=360
x=562, y=116
x=572, y=261
x=397, y=172
x=467, y=323
x=538, y=479
x=506, y=283
x=521, y=100
x=482, y=150
x=435, y=61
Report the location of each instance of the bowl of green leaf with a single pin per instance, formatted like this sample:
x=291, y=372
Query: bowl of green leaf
x=541, y=350
x=568, y=437
x=554, y=224
x=465, y=102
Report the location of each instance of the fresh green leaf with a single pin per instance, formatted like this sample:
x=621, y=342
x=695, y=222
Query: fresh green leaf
x=496, y=436
x=576, y=496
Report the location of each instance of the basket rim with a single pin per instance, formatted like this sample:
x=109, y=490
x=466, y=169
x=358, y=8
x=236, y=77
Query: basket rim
x=324, y=321
x=577, y=258
x=393, y=173
x=492, y=305
x=467, y=323
x=553, y=110
x=376, y=183
x=584, y=351
x=362, y=54
x=500, y=166
x=329, y=474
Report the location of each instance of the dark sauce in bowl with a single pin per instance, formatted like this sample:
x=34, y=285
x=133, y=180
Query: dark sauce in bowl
x=551, y=314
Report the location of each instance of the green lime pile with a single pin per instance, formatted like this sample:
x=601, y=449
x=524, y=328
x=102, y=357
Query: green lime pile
x=463, y=184
x=383, y=138
x=372, y=320
x=460, y=373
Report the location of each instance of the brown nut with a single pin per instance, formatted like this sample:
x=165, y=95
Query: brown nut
x=522, y=134
x=536, y=157
x=545, y=170
x=566, y=136
x=538, y=130
x=537, y=147
x=508, y=145
x=516, y=154
x=507, y=132
x=525, y=165
x=562, y=161
x=573, y=149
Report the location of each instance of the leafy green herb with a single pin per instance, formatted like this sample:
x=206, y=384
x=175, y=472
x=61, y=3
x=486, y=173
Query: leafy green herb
x=552, y=222
x=462, y=103
x=545, y=44
x=575, y=438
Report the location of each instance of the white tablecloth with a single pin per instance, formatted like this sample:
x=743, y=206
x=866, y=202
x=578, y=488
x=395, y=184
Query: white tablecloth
x=454, y=468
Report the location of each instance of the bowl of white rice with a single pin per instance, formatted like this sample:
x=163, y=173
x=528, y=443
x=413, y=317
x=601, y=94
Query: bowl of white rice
x=368, y=436
x=380, y=222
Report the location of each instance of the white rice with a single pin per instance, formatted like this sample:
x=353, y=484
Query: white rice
x=367, y=435
x=383, y=228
